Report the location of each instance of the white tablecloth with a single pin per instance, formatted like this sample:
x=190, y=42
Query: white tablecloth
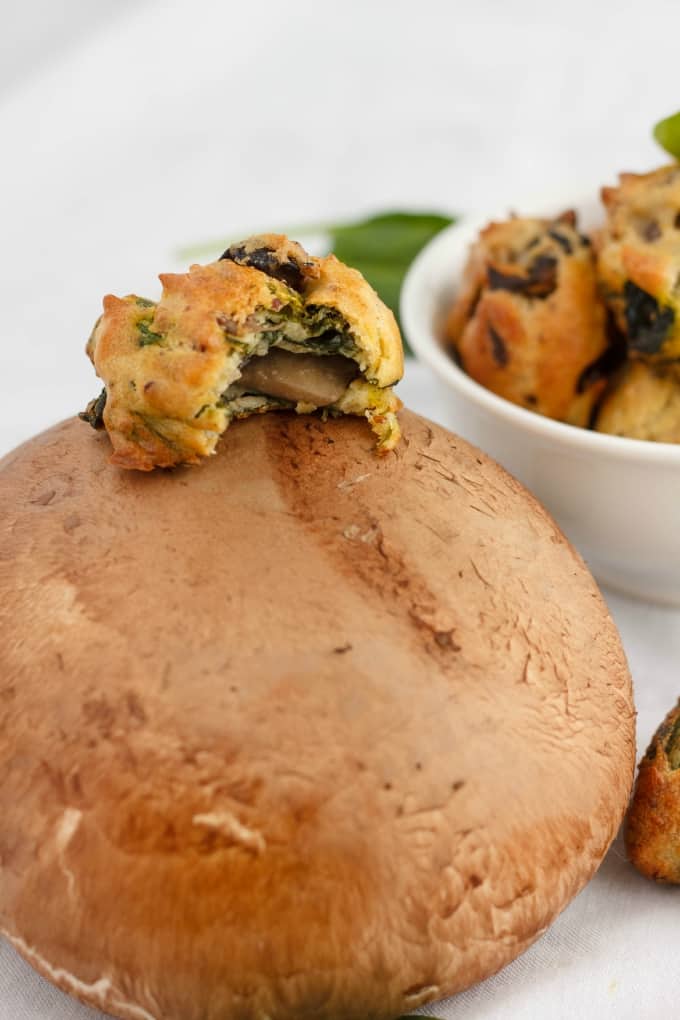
x=149, y=126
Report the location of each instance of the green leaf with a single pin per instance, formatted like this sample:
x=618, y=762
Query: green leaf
x=394, y=238
x=667, y=134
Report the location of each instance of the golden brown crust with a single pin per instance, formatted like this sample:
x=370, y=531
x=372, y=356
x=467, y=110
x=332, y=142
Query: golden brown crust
x=167, y=366
x=344, y=289
x=638, y=260
x=335, y=774
x=642, y=402
x=527, y=323
x=164, y=380
x=652, y=831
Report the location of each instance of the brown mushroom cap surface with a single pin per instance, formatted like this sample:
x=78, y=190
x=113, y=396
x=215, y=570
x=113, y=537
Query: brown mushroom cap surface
x=304, y=733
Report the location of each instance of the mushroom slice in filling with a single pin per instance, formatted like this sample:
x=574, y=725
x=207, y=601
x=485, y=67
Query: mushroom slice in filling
x=299, y=378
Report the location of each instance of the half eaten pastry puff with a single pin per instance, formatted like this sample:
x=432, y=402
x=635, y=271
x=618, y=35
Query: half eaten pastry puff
x=266, y=327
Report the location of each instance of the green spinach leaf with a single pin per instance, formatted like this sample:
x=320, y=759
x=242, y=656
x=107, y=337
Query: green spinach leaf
x=146, y=334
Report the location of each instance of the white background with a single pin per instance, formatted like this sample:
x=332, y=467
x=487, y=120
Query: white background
x=128, y=130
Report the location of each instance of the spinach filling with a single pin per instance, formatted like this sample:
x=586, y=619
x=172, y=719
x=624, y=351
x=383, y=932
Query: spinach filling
x=298, y=353
x=94, y=412
x=146, y=334
x=648, y=323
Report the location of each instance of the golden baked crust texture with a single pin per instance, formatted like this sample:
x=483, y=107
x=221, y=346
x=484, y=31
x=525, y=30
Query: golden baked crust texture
x=526, y=323
x=652, y=831
x=167, y=367
x=639, y=260
x=642, y=402
x=334, y=775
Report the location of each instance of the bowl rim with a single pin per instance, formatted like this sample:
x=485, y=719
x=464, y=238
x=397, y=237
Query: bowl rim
x=417, y=316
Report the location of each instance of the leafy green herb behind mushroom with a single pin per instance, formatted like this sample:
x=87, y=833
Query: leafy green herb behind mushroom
x=667, y=134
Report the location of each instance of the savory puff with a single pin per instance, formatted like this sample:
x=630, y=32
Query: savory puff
x=642, y=402
x=527, y=323
x=166, y=366
x=171, y=369
x=638, y=253
x=652, y=831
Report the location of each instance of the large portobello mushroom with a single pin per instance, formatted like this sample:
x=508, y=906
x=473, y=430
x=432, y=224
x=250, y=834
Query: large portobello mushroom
x=302, y=733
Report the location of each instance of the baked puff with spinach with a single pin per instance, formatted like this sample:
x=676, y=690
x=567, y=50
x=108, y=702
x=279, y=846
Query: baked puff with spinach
x=527, y=322
x=652, y=828
x=639, y=261
x=642, y=401
x=266, y=327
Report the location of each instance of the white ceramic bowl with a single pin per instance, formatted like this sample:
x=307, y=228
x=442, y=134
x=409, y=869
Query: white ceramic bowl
x=618, y=500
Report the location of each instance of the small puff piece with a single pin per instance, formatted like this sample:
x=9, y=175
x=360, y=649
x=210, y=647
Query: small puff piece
x=639, y=260
x=652, y=830
x=171, y=370
x=526, y=323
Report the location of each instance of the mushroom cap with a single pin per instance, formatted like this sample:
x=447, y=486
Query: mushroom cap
x=302, y=733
